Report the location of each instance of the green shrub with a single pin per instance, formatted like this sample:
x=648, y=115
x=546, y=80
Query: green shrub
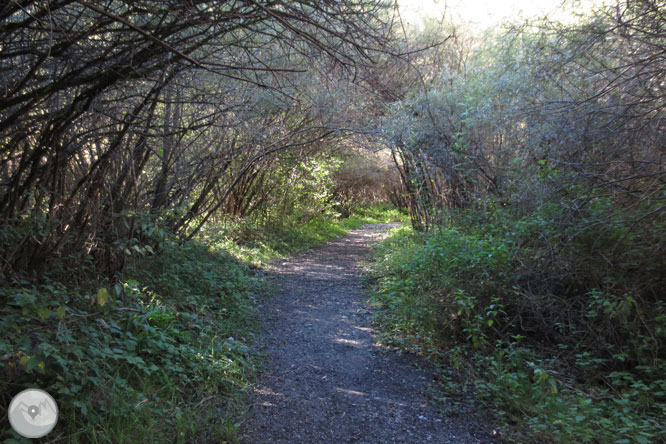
x=555, y=318
x=449, y=283
x=132, y=360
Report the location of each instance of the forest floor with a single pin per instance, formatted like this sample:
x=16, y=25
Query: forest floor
x=326, y=380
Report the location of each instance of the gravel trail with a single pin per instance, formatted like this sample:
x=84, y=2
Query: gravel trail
x=326, y=381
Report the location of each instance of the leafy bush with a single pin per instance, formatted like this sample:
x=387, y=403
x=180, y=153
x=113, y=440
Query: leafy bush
x=555, y=317
x=449, y=283
x=136, y=360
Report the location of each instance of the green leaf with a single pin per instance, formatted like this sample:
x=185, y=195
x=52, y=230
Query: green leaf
x=24, y=361
x=33, y=362
x=82, y=406
x=102, y=296
x=43, y=313
x=61, y=312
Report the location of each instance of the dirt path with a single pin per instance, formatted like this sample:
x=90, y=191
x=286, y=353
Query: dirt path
x=326, y=381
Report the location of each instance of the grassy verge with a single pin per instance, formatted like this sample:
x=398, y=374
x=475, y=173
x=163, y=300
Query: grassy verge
x=158, y=354
x=459, y=296
x=259, y=244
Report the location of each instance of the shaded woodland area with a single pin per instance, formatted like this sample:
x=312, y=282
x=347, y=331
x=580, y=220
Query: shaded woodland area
x=534, y=161
x=177, y=110
x=154, y=154
x=150, y=151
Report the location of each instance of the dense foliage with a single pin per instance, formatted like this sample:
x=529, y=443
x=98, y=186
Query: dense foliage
x=135, y=359
x=536, y=178
x=116, y=110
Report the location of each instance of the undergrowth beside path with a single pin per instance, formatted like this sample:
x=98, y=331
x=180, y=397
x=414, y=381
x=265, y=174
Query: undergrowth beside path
x=159, y=353
x=455, y=295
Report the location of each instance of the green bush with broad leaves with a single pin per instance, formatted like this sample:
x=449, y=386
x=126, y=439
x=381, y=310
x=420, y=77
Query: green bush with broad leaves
x=136, y=359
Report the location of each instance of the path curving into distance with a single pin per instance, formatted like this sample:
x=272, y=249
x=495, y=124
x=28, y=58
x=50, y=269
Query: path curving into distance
x=326, y=381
